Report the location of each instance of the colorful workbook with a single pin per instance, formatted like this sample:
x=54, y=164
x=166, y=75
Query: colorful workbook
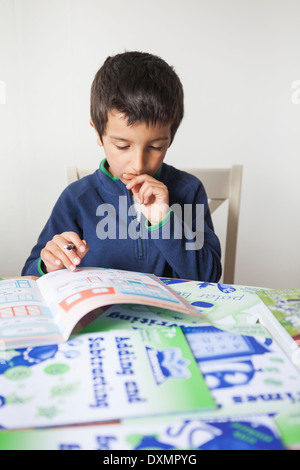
x=246, y=371
x=281, y=316
x=226, y=305
x=230, y=307
x=238, y=433
x=101, y=377
x=245, y=374
x=47, y=310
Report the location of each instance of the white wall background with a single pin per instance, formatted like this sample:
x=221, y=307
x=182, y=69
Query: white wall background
x=238, y=61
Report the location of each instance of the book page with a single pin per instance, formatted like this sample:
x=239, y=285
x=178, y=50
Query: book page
x=281, y=316
x=73, y=294
x=231, y=308
x=257, y=432
x=130, y=316
x=23, y=312
x=100, y=377
x=245, y=374
x=285, y=306
x=224, y=305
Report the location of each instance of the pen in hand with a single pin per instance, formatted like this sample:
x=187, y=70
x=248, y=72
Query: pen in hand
x=65, y=250
x=69, y=247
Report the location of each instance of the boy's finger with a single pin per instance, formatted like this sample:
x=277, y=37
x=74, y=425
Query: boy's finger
x=147, y=195
x=71, y=247
x=139, y=179
x=149, y=190
x=50, y=261
x=69, y=258
x=83, y=249
x=73, y=237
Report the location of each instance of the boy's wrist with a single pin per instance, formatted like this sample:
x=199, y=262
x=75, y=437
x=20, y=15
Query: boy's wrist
x=158, y=225
x=41, y=267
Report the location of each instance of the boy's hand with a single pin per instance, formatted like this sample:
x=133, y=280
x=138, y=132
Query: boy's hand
x=59, y=252
x=152, y=196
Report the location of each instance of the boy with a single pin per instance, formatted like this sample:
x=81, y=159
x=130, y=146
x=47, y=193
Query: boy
x=135, y=212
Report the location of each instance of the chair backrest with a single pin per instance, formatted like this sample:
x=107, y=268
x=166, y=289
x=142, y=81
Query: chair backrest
x=221, y=185
x=74, y=173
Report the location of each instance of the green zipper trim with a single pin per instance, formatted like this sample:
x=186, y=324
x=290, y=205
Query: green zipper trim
x=157, y=174
x=104, y=170
x=40, y=267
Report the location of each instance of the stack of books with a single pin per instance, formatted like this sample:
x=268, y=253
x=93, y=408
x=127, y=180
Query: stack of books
x=114, y=360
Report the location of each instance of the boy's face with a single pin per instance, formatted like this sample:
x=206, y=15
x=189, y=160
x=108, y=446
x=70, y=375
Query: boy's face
x=137, y=149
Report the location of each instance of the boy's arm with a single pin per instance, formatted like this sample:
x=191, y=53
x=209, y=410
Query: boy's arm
x=183, y=233
x=187, y=241
x=63, y=217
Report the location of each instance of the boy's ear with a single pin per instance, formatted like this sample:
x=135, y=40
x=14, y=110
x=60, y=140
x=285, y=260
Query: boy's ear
x=99, y=142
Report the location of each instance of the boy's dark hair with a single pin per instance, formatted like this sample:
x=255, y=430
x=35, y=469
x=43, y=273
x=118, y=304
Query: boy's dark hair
x=140, y=85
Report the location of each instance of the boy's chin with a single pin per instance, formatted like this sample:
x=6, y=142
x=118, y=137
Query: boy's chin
x=124, y=181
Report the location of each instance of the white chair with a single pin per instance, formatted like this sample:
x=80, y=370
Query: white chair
x=221, y=185
x=74, y=173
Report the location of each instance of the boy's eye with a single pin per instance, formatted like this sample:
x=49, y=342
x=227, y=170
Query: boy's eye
x=125, y=147
x=122, y=148
x=155, y=148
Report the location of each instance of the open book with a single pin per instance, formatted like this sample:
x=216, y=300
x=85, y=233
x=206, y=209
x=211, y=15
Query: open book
x=101, y=377
x=46, y=311
x=281, y=316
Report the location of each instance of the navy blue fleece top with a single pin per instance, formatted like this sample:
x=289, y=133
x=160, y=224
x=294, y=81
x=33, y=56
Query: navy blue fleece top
x=92, y=207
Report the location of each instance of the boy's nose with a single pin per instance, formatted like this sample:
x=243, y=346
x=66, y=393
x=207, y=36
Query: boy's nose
x=138, y=162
